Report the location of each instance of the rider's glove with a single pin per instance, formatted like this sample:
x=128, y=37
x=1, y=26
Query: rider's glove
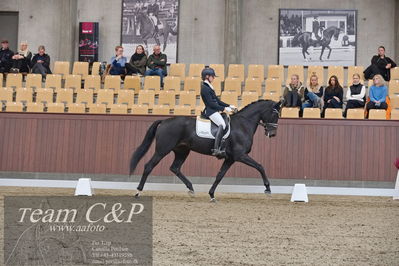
x=228, y=109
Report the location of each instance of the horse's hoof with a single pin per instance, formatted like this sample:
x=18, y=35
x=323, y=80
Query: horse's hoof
x=268, y=192
x=213, y=200
x=191, y=193
x=137, y=195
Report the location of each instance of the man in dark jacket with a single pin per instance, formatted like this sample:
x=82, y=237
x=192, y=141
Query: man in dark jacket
x=380, y=64
x=5, y=57
x=157, y=63
x=212, y=108
x=41, y=62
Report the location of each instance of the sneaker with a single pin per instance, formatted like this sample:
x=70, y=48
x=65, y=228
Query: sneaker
x=14, y=70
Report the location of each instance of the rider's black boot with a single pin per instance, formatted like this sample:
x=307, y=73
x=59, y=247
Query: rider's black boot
x=217, y=151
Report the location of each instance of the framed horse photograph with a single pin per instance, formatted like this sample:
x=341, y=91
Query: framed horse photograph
x=317, y=37
x=150, y=22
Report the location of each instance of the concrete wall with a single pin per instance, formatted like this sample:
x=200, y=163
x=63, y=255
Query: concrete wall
x=207, y=27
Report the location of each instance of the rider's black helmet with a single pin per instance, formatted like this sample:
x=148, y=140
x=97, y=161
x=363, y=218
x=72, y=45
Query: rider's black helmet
x=207, y=71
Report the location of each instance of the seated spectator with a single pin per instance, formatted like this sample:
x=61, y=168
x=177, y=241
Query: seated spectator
x=333, y=94
x=378, y=93
x=118, y=62
x=5, y=57
x=294, y=92
x=356, y=94
x=138, y=62
x=157, y=63
x=380, y=64
x=314, y=94
x=40, y=63
x=21, y=60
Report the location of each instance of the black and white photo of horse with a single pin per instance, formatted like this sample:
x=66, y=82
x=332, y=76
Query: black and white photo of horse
x=150, y=22
x=317, y=37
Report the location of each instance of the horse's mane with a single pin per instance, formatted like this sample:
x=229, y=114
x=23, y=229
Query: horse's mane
x=249, y=105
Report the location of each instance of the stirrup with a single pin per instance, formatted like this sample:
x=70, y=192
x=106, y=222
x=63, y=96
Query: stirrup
x=219, y=153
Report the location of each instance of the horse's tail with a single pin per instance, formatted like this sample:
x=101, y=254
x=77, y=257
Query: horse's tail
x=295, y=41
x=144, y=146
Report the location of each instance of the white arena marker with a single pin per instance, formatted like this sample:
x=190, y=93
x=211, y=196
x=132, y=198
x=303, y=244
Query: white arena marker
x=396, y=195
x=84, y=187
x=299, y=193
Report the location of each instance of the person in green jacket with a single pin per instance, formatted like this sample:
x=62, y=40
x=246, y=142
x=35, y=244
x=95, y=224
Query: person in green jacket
x=157, y=63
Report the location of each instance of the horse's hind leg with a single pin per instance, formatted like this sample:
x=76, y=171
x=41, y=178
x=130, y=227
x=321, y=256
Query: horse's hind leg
x=251, y=162
x=225, y=167
x=329, y=53
x=147, y=170
x=180, y=158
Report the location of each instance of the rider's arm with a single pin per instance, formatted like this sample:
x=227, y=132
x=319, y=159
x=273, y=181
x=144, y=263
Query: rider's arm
x=210, y=102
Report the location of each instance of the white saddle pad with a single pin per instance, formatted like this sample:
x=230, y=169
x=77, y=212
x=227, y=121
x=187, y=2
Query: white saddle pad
x=203, y=129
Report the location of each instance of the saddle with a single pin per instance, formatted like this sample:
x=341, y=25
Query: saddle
x=205, y=128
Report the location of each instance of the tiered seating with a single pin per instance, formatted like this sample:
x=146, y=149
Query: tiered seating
x=195, y=70
x=61, y=68
x=236, y=71
x=311, y=113
x=53, y=81
x=33, y=81
x=14, y=80
x=256, y=72
x=337, y=71
x=81, y=68
x=295, y=69
x=193, y=84
x=178, y=70
x=172, y=84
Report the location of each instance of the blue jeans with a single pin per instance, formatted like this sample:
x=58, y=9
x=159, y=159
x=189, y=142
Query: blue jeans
x=313, y=98
x=156, y=72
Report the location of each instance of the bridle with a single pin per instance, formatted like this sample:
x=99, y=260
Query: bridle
x=272, y=125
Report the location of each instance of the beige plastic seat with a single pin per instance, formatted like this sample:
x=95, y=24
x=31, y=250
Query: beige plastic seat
x=1, y=80
x=64, y=96
x=6, y=94
x=112, y=82
x=93, y=82
x=253, y=84
x=195, y=70
x=118, y=108
x=105, y=96
x=217, y=86
x=14, y=80
x=61, y=68
x=232, y=84
x=230, y=97
x=297, y=70
x=55, y=107
x=172, y=83
x=395, y=73
x=97, y=108
x=395, y=114
x=14, y=107
x=95, y=68
x=219, y=70
x=377, y=114
x=132, y=83
x=256, y=72
x=177, y=70
x=192, y=84
x=290, y=112
x=152, y=83
x=273, y=85
x=161, y=110
x=236, y=71
x=77, y=108
x=34, y=107
x=311, y=113
x=33, y=81
x=53, y=81
x=276, y=72
x=73, y=82
x=187, y=98
x=84, y=96
x=333, y=113
x=355, y=70
x=249, y=97
x=167, y=98
x=270, y=95
x=140, y=109
x=81, y=68
x=393, y=87
x=182, y=110
x=337, y=71
x=198, y=110
x=394, y=101
x=318, y=71
x=24, y=95
x=146, y=97
x=355, y=113
x=126, y=97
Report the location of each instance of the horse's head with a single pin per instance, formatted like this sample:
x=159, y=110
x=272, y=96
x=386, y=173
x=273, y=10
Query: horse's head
x=270, y=120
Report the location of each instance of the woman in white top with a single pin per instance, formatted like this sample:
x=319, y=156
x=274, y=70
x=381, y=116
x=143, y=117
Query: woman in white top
x=355, y=95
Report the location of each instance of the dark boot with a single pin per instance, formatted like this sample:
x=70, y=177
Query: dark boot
x=217, y=151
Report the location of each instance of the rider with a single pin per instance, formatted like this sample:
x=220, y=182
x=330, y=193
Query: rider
x=213, y=107
x=316, y=28
x=152, y=11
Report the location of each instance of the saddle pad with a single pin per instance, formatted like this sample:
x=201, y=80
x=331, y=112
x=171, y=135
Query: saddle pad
x=203, y=128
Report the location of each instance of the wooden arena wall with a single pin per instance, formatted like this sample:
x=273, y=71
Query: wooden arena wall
x=357, y=150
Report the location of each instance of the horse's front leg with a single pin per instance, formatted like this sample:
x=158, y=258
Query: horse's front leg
x=329, y=53
x=304, y=50
x=322, y=51
x=251, y=162
x=225, y=167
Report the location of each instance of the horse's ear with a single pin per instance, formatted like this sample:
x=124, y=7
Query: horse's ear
x=278, y=105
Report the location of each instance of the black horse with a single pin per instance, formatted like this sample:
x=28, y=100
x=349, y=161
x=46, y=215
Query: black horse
x=148, y=30
x=305, y=40
x=178, y=135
